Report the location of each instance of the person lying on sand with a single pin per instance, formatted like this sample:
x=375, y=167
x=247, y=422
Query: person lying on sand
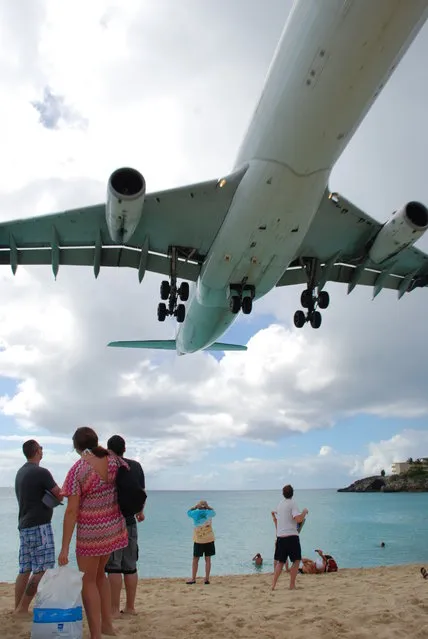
x=323, y=563
x=424, y=573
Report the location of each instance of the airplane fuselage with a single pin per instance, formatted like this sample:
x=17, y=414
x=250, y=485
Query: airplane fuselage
x=331, y=63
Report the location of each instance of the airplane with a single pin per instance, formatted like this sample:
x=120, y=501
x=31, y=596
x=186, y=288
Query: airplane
x=272, y=221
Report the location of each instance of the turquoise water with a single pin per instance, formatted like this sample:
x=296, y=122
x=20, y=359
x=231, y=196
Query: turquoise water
x=349, y=526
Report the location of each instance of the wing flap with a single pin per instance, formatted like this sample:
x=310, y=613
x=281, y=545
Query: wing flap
x=113, y=256
x=344, y=274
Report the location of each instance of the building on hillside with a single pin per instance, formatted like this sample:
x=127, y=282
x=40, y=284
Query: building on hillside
x=400, y=467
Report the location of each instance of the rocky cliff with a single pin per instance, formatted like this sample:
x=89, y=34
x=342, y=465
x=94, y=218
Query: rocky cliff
x=391, y=484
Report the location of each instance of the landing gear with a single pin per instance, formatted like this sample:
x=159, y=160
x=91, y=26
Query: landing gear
x=312, y=298
x=241, y=298
x=171, y=294
x=311, y=302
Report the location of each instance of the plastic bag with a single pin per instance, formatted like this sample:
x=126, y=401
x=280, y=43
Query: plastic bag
x=58, y=606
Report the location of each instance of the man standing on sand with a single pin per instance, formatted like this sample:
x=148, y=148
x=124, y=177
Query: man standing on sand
x=203, y=538
x=124, y=561
x=36, y=548
x=287, y=536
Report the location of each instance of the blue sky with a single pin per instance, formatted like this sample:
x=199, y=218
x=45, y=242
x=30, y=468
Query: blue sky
x=318, y=408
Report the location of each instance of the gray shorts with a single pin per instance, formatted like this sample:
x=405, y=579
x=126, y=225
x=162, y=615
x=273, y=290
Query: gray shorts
x=124, y=561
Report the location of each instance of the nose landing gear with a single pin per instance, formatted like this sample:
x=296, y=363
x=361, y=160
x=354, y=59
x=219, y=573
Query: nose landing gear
x=241, y=298
x=171, y=294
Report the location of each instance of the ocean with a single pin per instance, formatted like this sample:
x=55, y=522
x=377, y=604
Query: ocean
x=349, y=526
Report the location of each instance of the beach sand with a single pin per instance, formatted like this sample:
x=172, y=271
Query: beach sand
x=386, y=603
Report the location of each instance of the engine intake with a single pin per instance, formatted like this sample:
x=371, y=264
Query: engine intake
x=417, y=214
x=125, y=200
x=127, y=182
x=403, y=229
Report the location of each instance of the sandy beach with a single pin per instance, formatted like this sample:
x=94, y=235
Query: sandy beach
x=386, y=603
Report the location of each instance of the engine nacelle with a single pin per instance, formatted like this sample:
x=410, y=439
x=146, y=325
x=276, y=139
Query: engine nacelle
x=125, y=199
x=403, y=229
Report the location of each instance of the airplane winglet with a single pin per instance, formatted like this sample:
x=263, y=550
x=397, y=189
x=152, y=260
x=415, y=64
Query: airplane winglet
x=170, y=345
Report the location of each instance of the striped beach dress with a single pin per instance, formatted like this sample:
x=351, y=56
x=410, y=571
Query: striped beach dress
x=101, y=527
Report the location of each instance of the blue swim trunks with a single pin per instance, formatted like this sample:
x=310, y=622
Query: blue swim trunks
x=36, y=549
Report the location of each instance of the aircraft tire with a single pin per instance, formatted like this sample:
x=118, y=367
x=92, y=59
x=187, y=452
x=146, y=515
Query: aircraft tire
x=316, y=319
x=306, y=298
x=323, y=299
x=299, y=319
x=181, y=313
x=247, y=305
x=183, y=291
x=235, y=304
x=162, y=312
x=165, y=290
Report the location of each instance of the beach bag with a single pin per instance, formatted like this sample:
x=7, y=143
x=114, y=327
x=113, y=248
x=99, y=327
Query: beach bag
x=331, y=565
x=57, y=610
x=130, y=496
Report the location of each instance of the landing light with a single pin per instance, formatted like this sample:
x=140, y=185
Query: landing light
x=222, y=183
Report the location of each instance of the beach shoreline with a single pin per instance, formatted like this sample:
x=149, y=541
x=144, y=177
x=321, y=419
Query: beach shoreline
x=386, y=602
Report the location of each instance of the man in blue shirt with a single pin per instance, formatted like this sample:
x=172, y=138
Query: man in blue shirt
x=36, y=540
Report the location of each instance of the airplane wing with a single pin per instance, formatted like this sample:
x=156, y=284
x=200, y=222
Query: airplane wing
x=339, y=239
x=187, y=217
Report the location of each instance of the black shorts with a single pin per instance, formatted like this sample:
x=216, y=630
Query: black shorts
x=124, y=561
x=204, y=549
x=288, y=548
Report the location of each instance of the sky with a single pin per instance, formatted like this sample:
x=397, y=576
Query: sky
x=169, y=88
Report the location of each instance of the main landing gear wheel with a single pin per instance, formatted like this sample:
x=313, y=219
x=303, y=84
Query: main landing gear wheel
x=315, y=319
x=311, y=302
x=323, y=299
x=180, y=313
x=162, y=312
x=183, y=291
x=299, y=319
x=170, y=293
x=165, y=290
x=306, y=298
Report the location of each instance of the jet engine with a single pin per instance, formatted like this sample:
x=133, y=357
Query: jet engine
x=125, y=199
x=403, y=229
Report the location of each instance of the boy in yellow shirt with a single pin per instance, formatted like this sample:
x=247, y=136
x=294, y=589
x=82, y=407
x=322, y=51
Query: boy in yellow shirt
x=203, y=538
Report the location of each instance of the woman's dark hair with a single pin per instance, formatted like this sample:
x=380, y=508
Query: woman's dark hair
x=288, y=491
x=86, y=438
